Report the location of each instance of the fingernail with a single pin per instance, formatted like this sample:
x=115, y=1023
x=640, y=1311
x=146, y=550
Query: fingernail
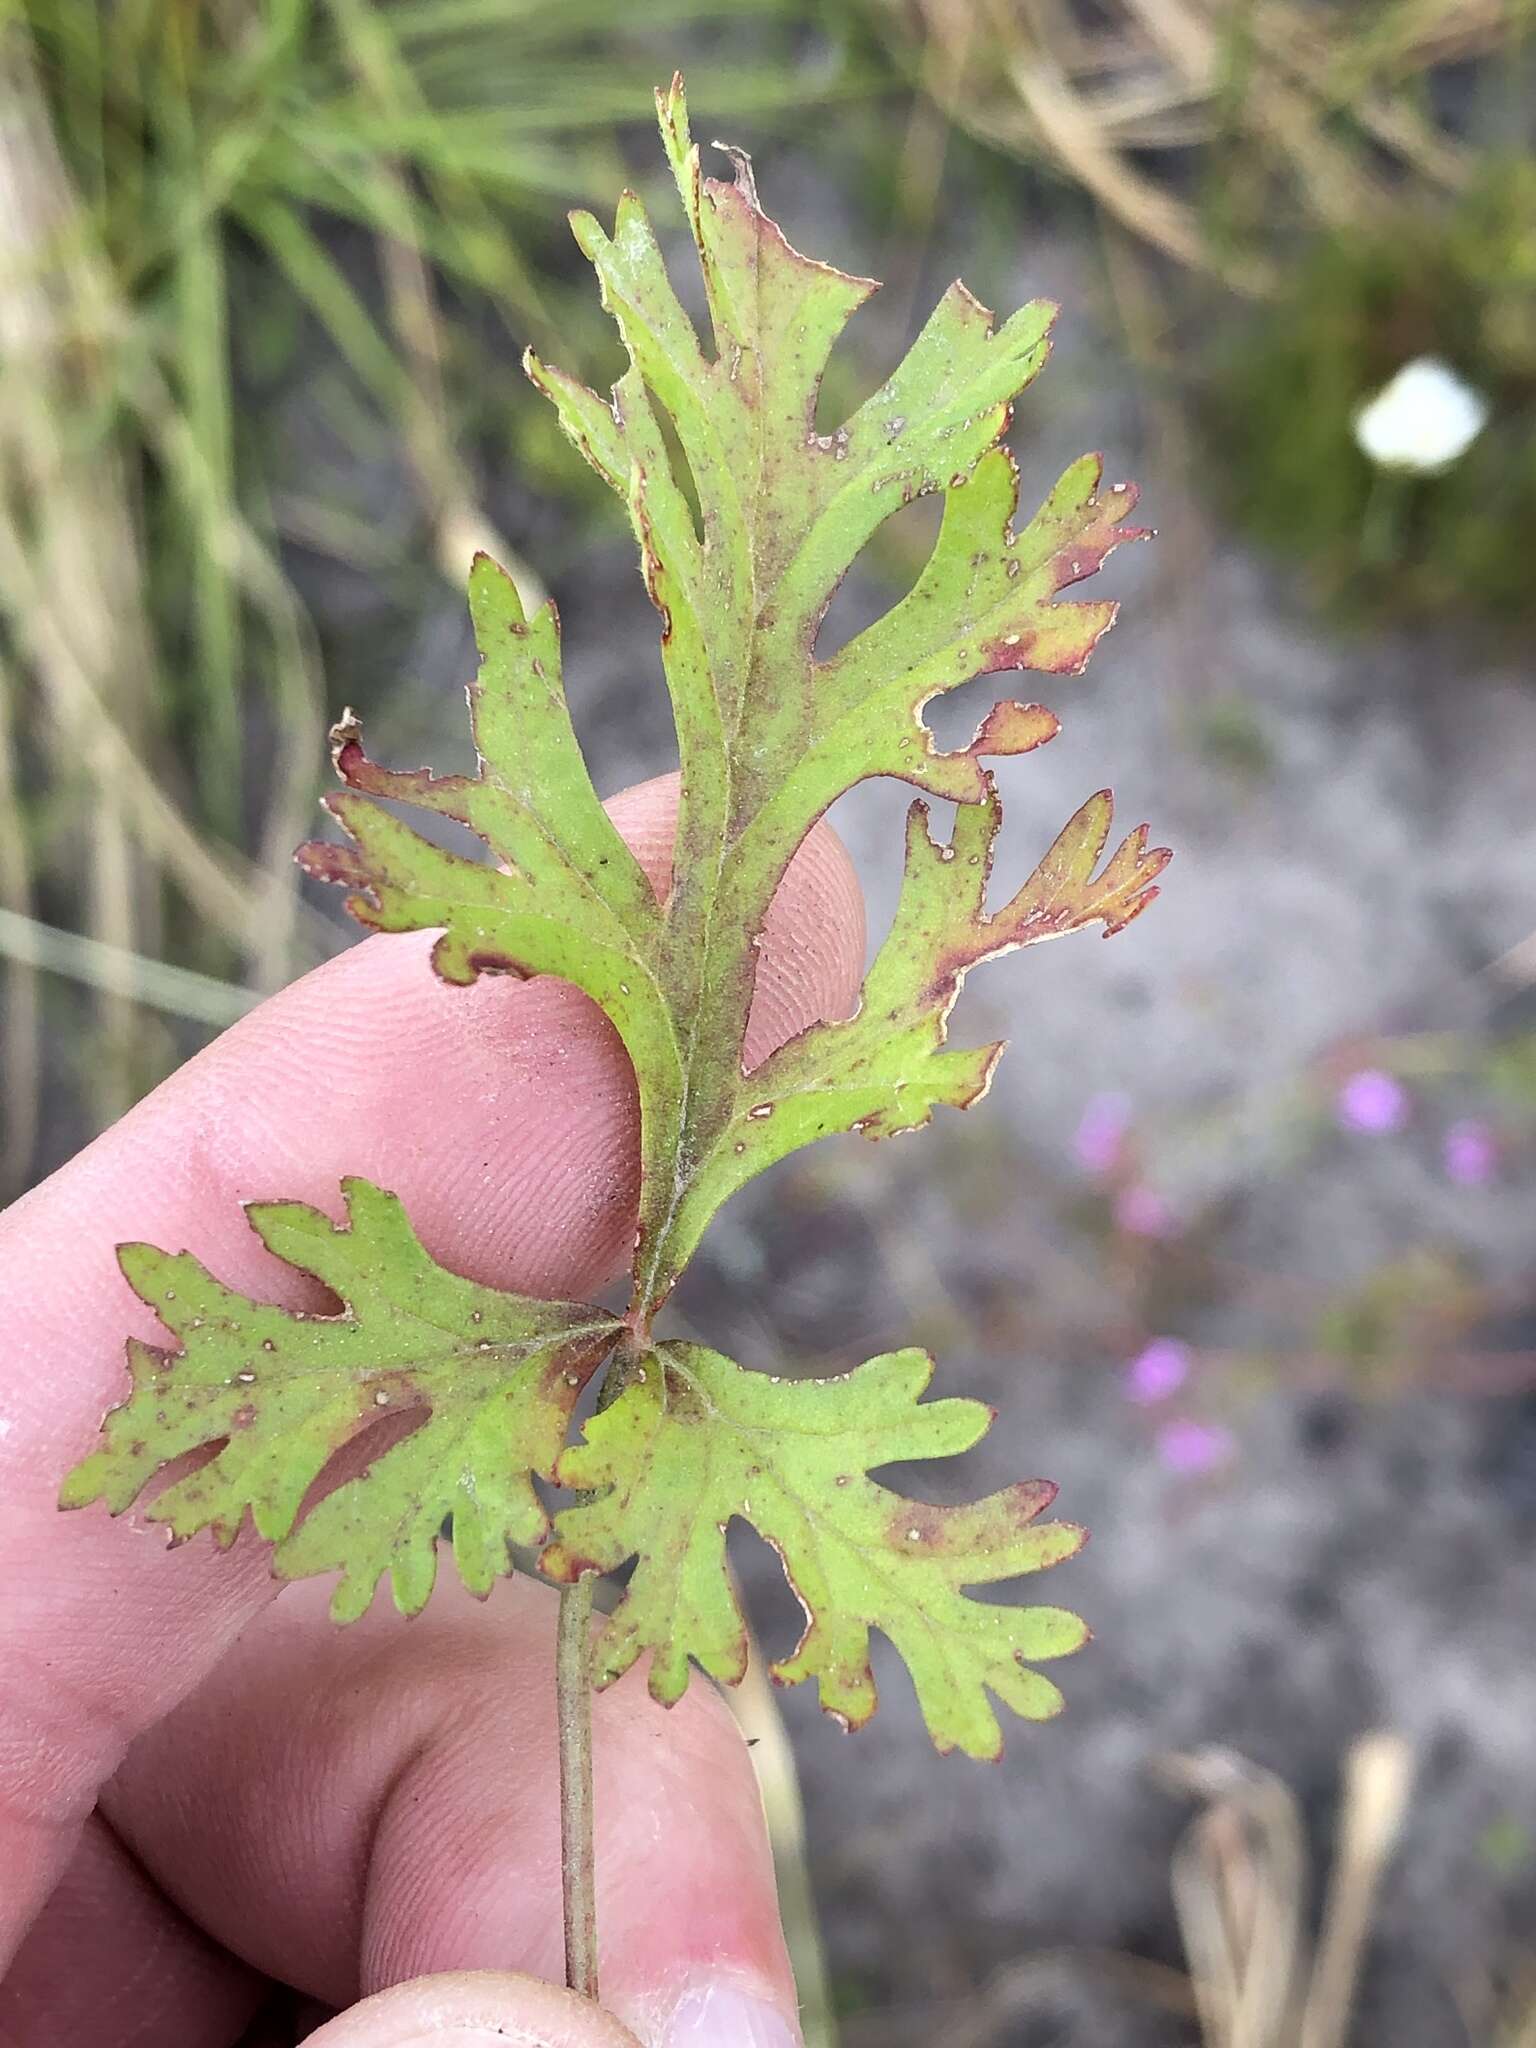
x=725, y=2016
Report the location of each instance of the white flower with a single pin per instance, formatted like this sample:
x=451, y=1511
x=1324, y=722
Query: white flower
x=1425, y=419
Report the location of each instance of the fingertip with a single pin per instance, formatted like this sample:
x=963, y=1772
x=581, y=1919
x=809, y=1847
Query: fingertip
x=720, y=2012
x=474, y=2009
x=811, y=962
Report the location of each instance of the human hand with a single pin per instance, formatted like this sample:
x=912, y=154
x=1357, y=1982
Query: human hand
x=204, y=1787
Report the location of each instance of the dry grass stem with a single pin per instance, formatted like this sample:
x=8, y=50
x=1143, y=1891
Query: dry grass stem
x=1240, y=1891
x=1323, y=106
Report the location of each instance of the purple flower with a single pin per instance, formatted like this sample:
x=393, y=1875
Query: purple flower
x=1470, y=1153
x=1099, y=1140
x=1140, y=1211
x=1158, y=1372
x=1372, y=1101
x=1191, y=1448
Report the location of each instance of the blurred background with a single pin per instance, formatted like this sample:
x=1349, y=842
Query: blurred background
x=1244, y=1243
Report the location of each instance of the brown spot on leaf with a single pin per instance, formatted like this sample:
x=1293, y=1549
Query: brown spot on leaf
x=1013, y=728
x=915, y=1525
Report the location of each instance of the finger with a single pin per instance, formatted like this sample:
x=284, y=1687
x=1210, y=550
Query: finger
x=504, y=1115
x=344, y=1809
x=474, y=2009
x=111, y=1961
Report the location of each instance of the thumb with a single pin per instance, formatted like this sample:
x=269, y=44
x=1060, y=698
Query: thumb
x=474, y=2009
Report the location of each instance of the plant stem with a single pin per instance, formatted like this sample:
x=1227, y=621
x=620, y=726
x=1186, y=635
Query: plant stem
x=573, y=1705
x=573, y=1697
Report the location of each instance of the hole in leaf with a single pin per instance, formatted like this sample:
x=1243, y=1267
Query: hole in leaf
x=852, y=375
x=681, y=256
x=775, y=1614
x=447, y=833
x=870, y=820
x=883, y=575
x=177, y=1469
x=351, y=1459
x=682, y=468
x=614, y=685
x=953, y=717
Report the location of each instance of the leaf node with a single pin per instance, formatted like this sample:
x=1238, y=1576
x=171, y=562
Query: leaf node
x=695, y=1441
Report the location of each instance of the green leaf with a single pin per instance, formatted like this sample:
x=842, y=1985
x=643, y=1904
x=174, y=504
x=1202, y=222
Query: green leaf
x=746, y=515
x=887, y=1068
x=769, y=734
x=569, y=898
x=487, y=1379
x=695, y=1442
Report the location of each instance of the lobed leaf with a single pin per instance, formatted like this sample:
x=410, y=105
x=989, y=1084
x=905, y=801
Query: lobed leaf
x=746, y=516
x=769, y=734
x=695, y=1441
x=887, y=1068
x=488, y=1381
